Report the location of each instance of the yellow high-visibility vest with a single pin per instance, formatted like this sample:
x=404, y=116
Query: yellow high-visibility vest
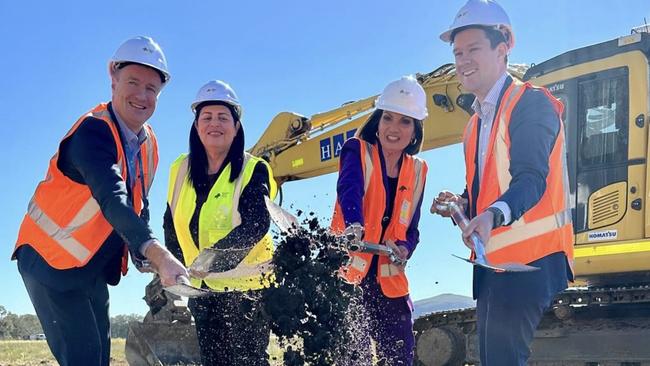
x=218, y=216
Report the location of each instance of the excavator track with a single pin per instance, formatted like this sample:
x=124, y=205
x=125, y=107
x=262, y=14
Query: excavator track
x=604, y=326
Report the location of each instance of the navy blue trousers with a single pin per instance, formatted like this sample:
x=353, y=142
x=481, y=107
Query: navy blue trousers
x=75, y=322
x=510, y=306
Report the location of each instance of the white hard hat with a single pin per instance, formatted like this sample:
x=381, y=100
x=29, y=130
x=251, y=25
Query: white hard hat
x=141, y=50
x=404, y=96
x=217, y=91
x=482, y=12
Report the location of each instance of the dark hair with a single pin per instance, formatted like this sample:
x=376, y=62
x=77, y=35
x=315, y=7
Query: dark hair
x=494, y=35
x=122, y=65
x=368, y=132
x=198, y=159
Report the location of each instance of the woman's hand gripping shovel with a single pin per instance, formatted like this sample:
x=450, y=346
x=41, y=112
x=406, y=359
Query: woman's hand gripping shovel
x=480, y=260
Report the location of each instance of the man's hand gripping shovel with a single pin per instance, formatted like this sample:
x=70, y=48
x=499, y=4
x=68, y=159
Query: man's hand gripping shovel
x=480, y=260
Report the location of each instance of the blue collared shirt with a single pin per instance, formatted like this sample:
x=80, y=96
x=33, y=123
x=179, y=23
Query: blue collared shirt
x=486, y=110
x=132, y=143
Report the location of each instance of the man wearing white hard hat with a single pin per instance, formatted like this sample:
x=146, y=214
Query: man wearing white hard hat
x=92, y=210
x=516, y=185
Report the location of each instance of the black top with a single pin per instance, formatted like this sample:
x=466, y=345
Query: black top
x=89, y=156
x=255, y=220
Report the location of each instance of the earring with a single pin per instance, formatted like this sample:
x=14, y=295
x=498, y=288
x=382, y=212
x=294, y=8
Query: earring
x=377, y=134
x=413, y=140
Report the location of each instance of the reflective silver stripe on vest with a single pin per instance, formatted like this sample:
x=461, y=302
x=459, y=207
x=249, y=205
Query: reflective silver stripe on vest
x=358, y=263
x=501, y=150
x=469, y=129
x=178, y=184
x=528, y=231
x=565, y=171
x=236, y=217
x=103, y=114
x=151, y=167
x=388, y=270
x=63, y=236
x=501, y=153
x=87, y=211
x=367, y=169
x=242, y=270
x=419, y=185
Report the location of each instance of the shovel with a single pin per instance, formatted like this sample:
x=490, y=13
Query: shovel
x=208, y=256
x=200, y=268
x=288, y=224
x=184, y=288
x=481, y=260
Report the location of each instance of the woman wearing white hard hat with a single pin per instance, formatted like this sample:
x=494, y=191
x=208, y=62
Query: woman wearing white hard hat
x=379, y=195
x=216, y=200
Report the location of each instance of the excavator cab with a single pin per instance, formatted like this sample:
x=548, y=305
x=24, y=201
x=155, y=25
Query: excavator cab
x=604, y=88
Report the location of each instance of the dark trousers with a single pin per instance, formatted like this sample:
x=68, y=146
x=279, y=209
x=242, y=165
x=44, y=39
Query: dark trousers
x=389, y=324
x=510, y=306
x=228, y=329
x=75, y=322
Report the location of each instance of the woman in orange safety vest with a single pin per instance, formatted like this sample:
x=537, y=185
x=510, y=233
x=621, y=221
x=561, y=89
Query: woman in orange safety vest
x=379, y=194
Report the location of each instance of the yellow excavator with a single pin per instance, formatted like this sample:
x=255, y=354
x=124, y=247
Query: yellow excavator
x=605, y=318
x=605, y=90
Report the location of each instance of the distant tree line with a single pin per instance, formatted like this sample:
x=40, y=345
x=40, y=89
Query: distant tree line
x=13, y=326
x=120, y=324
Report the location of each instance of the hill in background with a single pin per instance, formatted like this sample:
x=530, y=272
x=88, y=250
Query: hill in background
x=441, y=303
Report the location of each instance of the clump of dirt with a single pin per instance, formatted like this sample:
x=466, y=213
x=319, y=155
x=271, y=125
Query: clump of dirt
x=309, y=300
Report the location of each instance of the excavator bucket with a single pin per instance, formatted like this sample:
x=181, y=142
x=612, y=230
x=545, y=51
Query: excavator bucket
x=166, y=336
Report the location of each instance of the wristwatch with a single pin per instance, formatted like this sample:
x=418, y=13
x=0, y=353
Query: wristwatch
x=497, y=216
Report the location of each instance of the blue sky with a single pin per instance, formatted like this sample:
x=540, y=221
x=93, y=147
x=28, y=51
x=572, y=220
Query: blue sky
x=300, y=56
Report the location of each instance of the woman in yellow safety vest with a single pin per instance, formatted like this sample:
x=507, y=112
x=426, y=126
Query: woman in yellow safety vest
x=216, y=200
x=379, y=195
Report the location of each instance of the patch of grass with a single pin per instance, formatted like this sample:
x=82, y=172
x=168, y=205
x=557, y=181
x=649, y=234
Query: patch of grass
x=37, y=353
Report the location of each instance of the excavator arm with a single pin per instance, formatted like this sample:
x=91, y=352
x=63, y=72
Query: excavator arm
x=298, y=147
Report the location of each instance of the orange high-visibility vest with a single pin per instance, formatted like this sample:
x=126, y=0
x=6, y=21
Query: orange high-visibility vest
x=64, y=223
x=544, y=229
x=411, y=180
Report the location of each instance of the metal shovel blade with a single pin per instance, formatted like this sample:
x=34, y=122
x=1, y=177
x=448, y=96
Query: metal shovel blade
x=284, y=220
x=185, y=290
x=204, y=260
x=518, y=267
x=503, y=267
x=242, y=270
